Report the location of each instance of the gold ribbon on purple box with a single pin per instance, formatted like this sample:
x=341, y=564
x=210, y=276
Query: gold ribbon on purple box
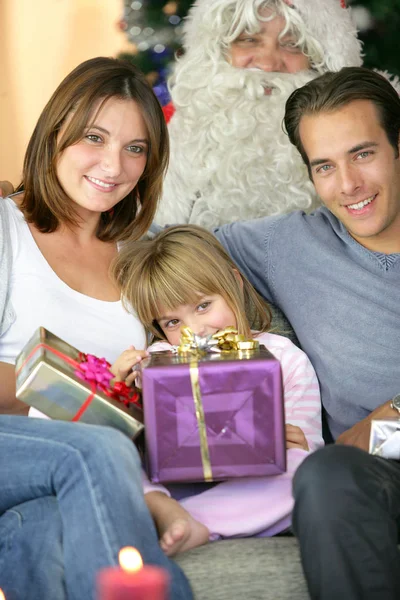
x=225, y=340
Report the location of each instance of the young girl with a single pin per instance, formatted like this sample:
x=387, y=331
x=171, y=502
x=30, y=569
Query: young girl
x=184, y=277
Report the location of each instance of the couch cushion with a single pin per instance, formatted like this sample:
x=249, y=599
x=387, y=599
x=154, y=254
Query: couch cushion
x=246, y=569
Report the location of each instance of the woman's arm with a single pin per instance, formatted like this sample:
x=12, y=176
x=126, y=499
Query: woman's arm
x=8, y=402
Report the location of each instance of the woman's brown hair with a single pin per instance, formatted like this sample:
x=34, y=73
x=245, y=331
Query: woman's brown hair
x=45, y=203
x=174, y=267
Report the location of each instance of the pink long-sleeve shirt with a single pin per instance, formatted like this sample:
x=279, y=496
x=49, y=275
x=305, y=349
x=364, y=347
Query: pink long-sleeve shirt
x=254, y=506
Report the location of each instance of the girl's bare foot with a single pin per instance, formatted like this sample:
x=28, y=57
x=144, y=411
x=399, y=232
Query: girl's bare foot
x=177, y=529
x=183, y=534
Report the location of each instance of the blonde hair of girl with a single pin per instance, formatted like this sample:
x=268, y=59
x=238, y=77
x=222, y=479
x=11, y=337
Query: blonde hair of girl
x=177, y=266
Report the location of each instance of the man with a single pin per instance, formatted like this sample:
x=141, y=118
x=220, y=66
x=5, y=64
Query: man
x=230, y=159
x=335, y=273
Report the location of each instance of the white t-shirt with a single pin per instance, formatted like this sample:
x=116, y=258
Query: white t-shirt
x=40, y=298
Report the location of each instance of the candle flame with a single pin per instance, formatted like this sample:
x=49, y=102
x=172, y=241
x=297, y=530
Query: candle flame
x=129, y=559
x=2, y=596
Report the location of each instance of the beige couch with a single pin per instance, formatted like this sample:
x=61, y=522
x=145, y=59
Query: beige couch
x=246, y=569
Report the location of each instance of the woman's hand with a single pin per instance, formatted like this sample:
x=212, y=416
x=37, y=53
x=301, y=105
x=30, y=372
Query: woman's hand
x=124, y=366
x=6, y=188
x=295, y=438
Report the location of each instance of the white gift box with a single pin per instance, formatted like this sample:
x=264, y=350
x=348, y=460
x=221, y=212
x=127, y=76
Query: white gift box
x=385, y=438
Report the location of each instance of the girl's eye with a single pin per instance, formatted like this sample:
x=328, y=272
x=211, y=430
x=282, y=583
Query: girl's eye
x=93, y=137
x=203, y=306
x=172, y=323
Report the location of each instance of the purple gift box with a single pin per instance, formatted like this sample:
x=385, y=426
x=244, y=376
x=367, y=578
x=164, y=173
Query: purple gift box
x=241, y=396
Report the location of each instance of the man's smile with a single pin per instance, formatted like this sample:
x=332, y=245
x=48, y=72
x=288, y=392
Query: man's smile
x=358, y=207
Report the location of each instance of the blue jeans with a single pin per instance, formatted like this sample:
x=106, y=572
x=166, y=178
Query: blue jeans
x=70, y=497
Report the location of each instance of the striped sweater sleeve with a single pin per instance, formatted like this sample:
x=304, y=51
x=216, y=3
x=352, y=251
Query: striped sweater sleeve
x=300, y=387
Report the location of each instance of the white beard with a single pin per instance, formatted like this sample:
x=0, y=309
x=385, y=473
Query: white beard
x=230, y=159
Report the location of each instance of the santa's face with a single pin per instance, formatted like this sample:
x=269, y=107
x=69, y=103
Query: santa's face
x=267, y=49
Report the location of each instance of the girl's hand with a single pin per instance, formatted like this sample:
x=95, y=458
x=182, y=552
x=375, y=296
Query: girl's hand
x=123, y=368
x=295, y=438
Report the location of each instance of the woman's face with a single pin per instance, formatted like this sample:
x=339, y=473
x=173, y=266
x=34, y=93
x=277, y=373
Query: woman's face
x=106, y=164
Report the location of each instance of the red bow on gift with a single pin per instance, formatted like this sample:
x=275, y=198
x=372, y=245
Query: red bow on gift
x=96, y=371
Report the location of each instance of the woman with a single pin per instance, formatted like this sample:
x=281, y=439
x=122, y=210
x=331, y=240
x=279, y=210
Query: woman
x=92, y=177
x=71, y=494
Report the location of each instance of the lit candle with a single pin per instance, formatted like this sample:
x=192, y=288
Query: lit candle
x=2, y=596
x=132, y=580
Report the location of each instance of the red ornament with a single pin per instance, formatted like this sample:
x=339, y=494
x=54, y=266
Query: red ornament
x=168, y=111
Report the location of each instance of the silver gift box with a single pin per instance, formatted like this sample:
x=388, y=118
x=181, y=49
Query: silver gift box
x=385, y=438
x=49, y=383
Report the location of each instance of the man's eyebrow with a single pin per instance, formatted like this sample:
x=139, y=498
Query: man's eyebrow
x=142, y=140
x=362, y=146
x=318, y=161
x=357, y=148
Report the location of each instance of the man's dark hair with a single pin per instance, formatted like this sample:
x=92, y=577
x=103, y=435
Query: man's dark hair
x=332, y=91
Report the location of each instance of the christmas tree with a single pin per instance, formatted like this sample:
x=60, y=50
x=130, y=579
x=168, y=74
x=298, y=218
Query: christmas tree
x=378, y=22
x=154, y=28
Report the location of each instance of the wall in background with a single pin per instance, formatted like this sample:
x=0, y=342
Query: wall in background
x=40, y=42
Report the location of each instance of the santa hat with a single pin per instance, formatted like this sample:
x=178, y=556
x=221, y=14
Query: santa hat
x=327, y=21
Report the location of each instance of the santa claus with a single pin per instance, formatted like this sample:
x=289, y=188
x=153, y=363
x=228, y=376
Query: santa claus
x=230, y=158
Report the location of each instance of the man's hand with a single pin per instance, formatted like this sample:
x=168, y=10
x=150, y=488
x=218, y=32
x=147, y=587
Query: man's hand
x=6, y=188
x=358, y=435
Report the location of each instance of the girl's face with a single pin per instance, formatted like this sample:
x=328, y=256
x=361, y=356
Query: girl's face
x=206, y=316
x=106, y=164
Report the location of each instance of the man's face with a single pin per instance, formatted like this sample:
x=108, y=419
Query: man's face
x=356, y=172
x=265, y=50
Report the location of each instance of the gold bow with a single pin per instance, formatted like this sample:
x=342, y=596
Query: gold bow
x=225, y=340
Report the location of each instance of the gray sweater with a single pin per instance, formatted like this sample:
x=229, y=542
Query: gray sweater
x=342, y=300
